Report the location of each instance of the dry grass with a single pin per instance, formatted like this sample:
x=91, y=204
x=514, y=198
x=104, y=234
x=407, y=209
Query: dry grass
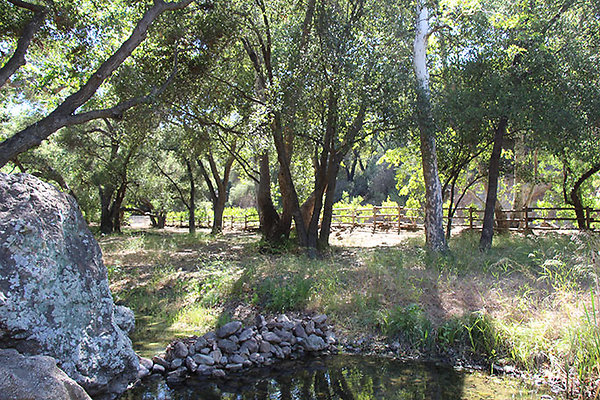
x=529, y=293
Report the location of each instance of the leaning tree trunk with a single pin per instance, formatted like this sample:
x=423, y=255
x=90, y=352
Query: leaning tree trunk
x=64, y=115
x=487, y=231
x=434, y=228
x=575, y=196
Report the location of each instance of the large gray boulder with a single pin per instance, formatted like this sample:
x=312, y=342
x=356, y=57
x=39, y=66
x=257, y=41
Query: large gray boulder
x=35, y=378
x=54, y=295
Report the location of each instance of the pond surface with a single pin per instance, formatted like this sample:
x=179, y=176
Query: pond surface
x=344, y=378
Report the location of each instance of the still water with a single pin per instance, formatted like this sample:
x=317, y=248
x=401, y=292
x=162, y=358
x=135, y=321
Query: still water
x=343, y=378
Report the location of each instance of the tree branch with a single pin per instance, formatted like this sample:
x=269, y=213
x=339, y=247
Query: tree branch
x=62, y=116
x=18, y=58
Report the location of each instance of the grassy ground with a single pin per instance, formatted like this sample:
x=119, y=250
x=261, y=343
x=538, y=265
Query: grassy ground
x=529, y=302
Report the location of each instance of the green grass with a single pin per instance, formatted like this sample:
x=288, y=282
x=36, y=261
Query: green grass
x=526, y=302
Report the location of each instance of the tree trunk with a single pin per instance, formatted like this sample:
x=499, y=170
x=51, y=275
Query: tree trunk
x=161, y=220
x=117, y=213
x=289, y=196
x=218, y=210
x=487, y=232
x=106, y=220
x=575, y=196
x=434, y=228
x=268, y=216
x=451, y=208
x=192, y=203
x=329, y=200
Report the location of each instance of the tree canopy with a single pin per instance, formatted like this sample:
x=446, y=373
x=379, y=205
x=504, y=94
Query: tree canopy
x=160, y=105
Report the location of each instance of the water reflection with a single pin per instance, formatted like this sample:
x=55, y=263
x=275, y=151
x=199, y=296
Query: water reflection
x=341, y=377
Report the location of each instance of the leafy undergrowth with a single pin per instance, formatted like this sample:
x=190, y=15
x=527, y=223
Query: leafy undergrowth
x=529, y=302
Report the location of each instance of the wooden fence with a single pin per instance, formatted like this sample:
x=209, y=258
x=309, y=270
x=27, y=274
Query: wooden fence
x=397, y=219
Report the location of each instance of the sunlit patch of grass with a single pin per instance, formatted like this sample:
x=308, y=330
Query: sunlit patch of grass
x=195, y=319
x=529, y=343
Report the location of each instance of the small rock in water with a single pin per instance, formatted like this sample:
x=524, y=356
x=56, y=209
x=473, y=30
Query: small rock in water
x=233, y=367
x=202, y=359
x=204, y=370
x=314, y=343
x=236, y=359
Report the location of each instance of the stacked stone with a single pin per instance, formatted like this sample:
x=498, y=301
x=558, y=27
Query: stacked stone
x=233, y=348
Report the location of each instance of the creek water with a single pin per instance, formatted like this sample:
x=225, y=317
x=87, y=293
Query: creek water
x=343, y=378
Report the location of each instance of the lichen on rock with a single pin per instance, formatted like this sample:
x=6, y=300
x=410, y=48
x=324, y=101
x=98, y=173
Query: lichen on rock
x=54, y=294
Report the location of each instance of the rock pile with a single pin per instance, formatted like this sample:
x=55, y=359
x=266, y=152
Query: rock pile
x=232, y=347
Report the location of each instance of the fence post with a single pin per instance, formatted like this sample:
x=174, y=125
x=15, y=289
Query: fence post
x=245, y=222
x=399, y=217
x=374, y=219
x=526, y=218
x=353, y=218
x=588, y=219
x=180, y=221
x=471, y=209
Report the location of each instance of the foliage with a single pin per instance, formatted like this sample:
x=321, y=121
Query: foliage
x=280, y=295
x=409, y=322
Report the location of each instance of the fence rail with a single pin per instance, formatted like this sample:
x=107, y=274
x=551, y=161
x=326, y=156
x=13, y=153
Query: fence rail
x=391, y=218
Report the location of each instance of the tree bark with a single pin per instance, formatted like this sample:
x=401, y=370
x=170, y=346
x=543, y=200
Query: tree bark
x=192, y=202
x=218, y=189
x=451, y=209
x=106, y=220
x=18, y=58
x=487, y=232
x=329, y=201
x=575, y=196
x=434, y=228
x=268, y=216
